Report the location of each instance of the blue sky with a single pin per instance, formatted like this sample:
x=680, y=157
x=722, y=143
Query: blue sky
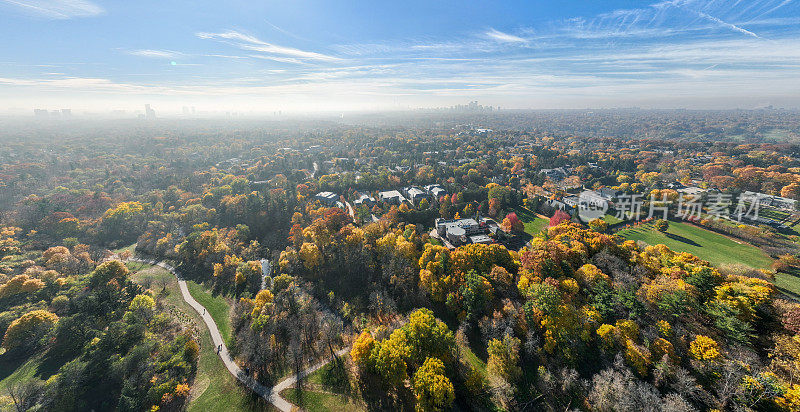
x=342, y=55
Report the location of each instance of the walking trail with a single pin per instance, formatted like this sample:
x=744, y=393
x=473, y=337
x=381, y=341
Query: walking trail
x=270, y=394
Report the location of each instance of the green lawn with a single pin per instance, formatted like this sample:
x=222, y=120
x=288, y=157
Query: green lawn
x=611, y=219
x=327, y=389
x=774, y=214
x=137, y=266
x=131, y=248
x=217, y=306
x=313, y=401
x=473, y=359
x=214, y=389
x=533, y=224
x=18, y=370
x=789, y=283
x=707, y=245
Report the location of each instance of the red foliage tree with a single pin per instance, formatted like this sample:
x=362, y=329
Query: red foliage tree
x=512, y=223
x=335, y=218
x=558, y=217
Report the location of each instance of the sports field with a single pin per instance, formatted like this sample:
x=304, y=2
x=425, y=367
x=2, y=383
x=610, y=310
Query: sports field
x=707, y=245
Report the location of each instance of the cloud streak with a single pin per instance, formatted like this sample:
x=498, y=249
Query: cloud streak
x=252, y=43
x=57, y=9
x=726, y=24
x=164, y=54
x=497, y=35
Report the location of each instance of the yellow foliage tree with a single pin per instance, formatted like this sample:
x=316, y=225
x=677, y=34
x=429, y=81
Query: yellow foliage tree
x=20, y=284
x=433, y=390
x=704, y=349
x=310, y=255
x=26, y=330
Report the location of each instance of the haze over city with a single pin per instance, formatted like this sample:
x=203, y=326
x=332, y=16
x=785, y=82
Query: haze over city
x=98, y=56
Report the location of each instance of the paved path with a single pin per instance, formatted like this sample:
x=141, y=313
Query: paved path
x=270, y=394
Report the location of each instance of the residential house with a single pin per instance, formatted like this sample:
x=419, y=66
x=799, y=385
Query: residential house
x=415, y=194
x=364, y=199
x=436, y=191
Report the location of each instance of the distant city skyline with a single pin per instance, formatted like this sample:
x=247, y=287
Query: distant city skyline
x=100, y=56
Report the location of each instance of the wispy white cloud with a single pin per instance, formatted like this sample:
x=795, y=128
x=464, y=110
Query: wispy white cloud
x=504, y=37
x=57, y=9
x=276, y=58
x=726, y=24
x=674, y=17
x=252, y=43
x=166, y=54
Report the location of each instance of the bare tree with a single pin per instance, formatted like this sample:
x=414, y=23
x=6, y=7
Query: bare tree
x=25, y=394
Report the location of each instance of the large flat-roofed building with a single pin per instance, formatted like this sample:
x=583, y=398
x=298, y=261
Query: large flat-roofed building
x=457, y=231
x=768, y=200
x=391, y=197
x=480, y=239
x=328, y=198
x=606, y=193
x=571, y=201
x=691, y=190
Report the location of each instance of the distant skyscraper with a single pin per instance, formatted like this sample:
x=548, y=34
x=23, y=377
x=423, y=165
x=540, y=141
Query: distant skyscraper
x=148, y=112
x=192, y=109
x=40, y=112
x=66, y=112
x=185, y=110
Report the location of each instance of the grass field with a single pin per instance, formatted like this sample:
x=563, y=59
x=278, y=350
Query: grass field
x=313, y=401
x=37, y=367
x=326, y=389
x=217, y=306
x=214, y=389
x=130, y=248
x=473, y=359
x=611, y=219
x=774, y=214
x=707, y=245
x=533, y=224
x=789, y=283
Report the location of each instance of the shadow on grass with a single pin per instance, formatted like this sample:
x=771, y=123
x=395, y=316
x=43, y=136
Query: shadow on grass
x=518, y=241
x=334, y=378
x=793, y=294
x=789, y=293
x=9, y=363
x=47, y=367
x=683, y=239
x=50, y=365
